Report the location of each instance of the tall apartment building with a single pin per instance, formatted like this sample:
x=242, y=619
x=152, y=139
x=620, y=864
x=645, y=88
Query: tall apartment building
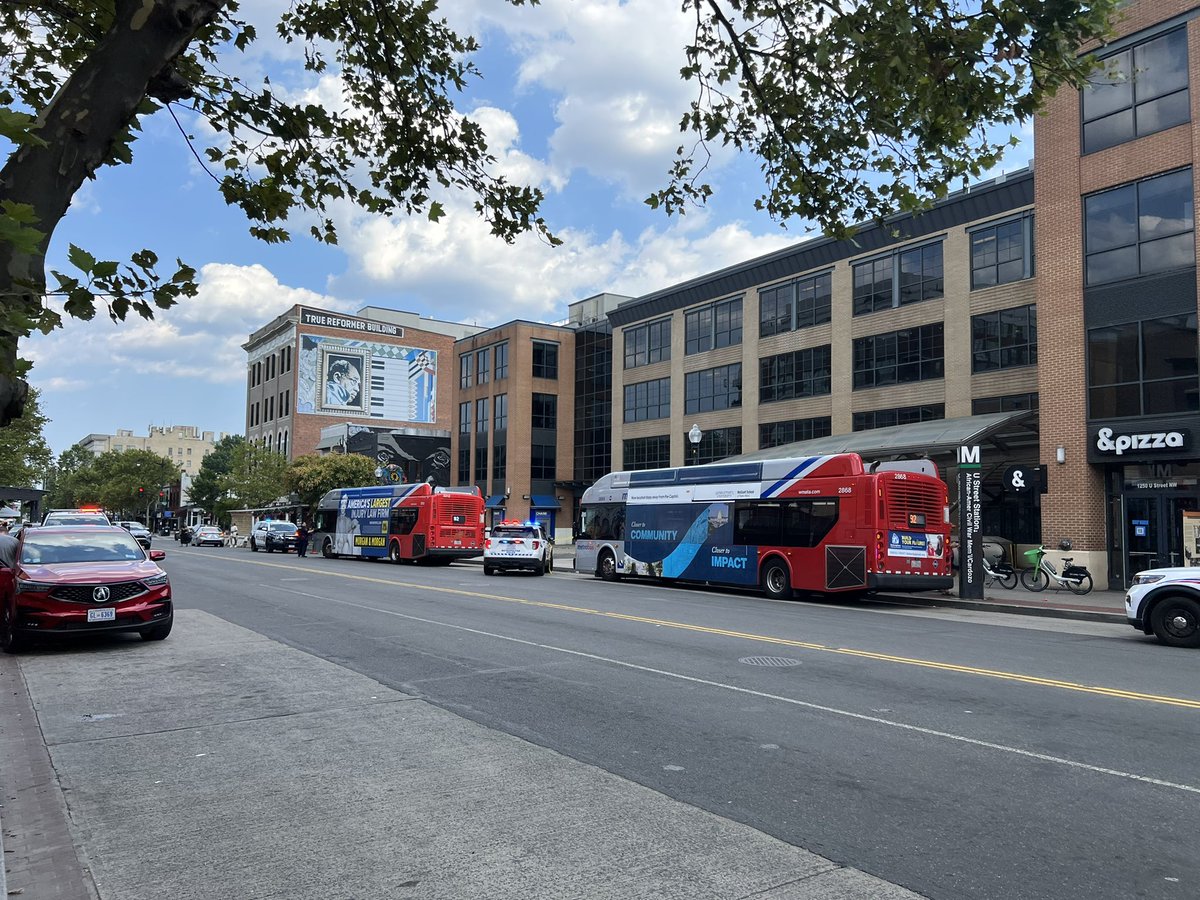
x=318, y=380
x=183, y=445
x=533, y=407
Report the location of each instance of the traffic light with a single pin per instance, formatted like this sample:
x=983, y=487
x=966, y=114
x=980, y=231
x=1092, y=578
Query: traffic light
x=161, y=495
x=141, y=491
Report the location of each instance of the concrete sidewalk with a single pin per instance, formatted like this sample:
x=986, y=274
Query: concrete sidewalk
x=219, y=763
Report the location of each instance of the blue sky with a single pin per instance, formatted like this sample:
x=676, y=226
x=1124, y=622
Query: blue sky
x=579, y=97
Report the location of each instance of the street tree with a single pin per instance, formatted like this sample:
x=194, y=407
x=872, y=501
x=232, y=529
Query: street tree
x=25, y=457
x=128, y=481
x=210, y=487
x=255, y=477
x=80, y=77
x=854, y=108
x=67, y=474
x=311, y=476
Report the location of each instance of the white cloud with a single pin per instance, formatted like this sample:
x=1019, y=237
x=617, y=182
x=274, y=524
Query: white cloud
x=199, y=338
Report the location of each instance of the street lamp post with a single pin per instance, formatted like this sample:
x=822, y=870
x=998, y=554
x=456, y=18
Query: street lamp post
x=694, y=436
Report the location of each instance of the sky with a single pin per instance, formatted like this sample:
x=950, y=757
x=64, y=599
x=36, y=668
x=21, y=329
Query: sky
x=581, y=98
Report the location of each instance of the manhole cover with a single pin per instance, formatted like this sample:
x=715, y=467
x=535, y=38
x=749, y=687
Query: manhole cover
x=778, y=662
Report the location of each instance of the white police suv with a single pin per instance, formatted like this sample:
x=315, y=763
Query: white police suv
x=518, y=545
x=1166, y=603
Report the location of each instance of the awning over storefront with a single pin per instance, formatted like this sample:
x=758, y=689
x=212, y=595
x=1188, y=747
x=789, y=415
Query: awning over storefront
x=496, y=501
x=544, y=501
x=936, y=438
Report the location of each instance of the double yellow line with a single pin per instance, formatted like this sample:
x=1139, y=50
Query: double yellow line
x=750, y=636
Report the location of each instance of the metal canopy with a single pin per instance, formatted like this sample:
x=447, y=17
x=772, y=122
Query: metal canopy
x=935, y=438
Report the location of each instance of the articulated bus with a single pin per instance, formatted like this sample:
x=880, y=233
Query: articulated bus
x=405, y=523
x=819, y=524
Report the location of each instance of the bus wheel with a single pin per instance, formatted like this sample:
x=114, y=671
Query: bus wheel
x=394, y=553
x=776, y=583
x=327, y=549
x=606, y=567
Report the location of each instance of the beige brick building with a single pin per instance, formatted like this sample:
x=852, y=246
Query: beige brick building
x=183, y=445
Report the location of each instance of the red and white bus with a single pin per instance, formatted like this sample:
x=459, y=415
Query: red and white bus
x=405, y=523
x=819, y=524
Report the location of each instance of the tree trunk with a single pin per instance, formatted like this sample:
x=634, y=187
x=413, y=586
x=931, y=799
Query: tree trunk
x=91, y=109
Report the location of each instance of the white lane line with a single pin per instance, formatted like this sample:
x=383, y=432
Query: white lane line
x=832, y=710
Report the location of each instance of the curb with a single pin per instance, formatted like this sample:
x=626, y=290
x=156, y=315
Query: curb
x=1046, y=612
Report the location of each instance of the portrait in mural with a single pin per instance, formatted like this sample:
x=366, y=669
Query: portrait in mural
x=343, y=387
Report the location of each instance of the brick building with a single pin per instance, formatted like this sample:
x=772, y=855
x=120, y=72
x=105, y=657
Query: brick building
x=942, y=318
x=319, y=380
x=532, y=413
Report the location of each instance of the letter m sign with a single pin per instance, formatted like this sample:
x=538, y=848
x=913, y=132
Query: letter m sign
x=968, y=456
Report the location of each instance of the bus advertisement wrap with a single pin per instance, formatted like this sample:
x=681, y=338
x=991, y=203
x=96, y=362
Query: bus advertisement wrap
x=363, y=521
x=912, y=544
x=687, y=541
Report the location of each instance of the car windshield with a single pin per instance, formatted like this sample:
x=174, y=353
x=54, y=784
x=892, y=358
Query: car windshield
x=77, y=519
x=283, y=527
x=515, y=532
x=78, y=547
x=207, y=529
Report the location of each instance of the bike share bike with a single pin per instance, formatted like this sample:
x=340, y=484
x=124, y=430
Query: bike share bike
x=1076, y=579
x=1001, y=573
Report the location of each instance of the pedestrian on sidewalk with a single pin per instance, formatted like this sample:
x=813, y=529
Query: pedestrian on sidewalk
x=302, y=533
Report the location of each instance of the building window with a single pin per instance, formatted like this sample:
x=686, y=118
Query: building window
x=646, y=453
x=1006, y=403
x=464, y=459
x=1143, y=368
x=483, y=365
x=799, y=304
x=481, y=467
x=712, y=389
x=648, y=400
x=1002, y=253
x=902, y=277
x=545, y=359
x=1140, y=228
x=500, y=407
x=715, y=444
x=481, y=416
x=911, y=354
x=802, y=373
x=713, y=326
x=545, y=411
x=905, y=415
x=648, y=344
x=1004, y=340
x=501, y=370
x=775, y=434
x=499, y=462
x=1137, y=92
x=464, y=418
x=542, y=465
x=464, y=370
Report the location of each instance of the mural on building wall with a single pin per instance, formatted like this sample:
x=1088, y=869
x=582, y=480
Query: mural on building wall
x=337, y=376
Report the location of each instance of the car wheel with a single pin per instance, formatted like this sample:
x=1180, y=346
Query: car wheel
x=394, y=552
x=253, y=546
x=606, y=566
x=1176, y=621
x=327, y=549
x=267, y=546
x=488, y=570
x=776, y=581
x=157, y=633
x=541, y=568
x=11, y=640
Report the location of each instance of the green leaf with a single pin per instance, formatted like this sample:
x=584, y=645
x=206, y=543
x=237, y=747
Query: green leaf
x=80, y=258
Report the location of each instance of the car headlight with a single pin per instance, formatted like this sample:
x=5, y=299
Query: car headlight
x=1147, y=577
x=155, y=580
x=38, y=587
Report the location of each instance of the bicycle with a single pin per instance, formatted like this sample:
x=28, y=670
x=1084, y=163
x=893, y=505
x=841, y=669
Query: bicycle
x=1002, y=572
x=1076, y=579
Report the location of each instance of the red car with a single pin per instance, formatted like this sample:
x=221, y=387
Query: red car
x=82, y=579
